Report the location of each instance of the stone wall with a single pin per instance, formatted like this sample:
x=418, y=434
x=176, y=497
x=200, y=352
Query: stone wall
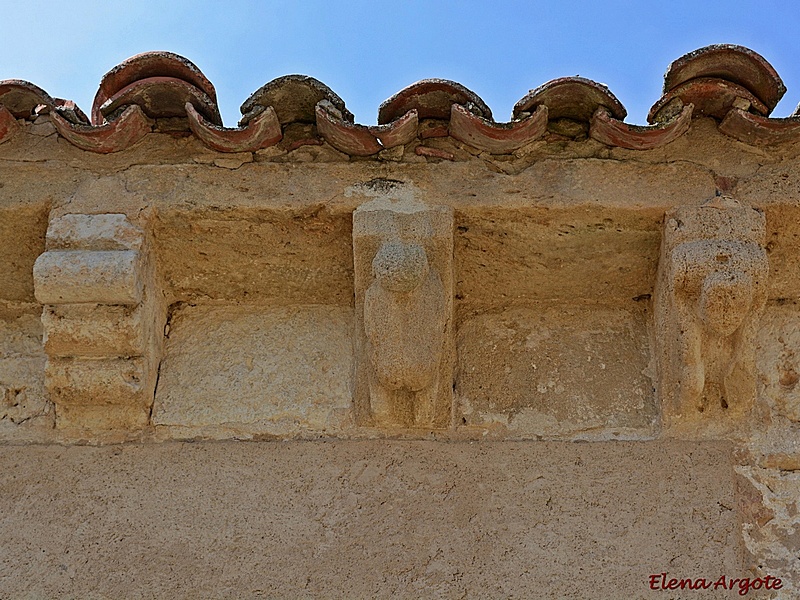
x=501, y=307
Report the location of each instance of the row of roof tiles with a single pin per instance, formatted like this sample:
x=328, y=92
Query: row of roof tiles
x=732, y=84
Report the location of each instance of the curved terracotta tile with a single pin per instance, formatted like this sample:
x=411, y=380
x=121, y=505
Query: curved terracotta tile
x=355, y=140
x=8, y=124
x=711, y=97
x=754, y=129
x=399, y=132
x=22, y=97
x=497, y=138
x=294, y=99
x=608, y=130
x=736, y=64
x=161, y=97
x=432, y=99
x=146, y=66
x=131, y=126
x=361, y=140
x=71, y=112
x=575, y=98
x=262, y=131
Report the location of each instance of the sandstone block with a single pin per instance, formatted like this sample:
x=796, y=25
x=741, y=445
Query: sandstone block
x=93, y=232
x=93, y=331
x=769, y=512
x=710, y=292
x=778, y=360
x=80, y=276
x=403, y=259
x=101, y=417
x=558, y=373
x=99, y=382
x=23, y=401
x=255, y=370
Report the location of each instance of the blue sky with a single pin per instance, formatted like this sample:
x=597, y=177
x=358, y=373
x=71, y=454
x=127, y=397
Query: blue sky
x=368, y=50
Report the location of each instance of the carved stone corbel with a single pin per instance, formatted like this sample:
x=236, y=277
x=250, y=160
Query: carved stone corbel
x=710, y=293
x=403, y=258
x=103, y=321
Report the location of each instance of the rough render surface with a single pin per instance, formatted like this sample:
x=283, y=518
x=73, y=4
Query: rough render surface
x=364, y=519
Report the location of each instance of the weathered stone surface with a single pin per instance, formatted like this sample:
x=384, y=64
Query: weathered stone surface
x=403, y=257
x=771, y=524
x=778, y=360
x=93, y=232
x=83, y=276
x=110, y=381
x=92, y=331
x=111, y=423
x=578, y=373
x=25, y=412
x=22, y=231
x=255, y=255
x=711, y=291
x=371, y=519
x=250, y=370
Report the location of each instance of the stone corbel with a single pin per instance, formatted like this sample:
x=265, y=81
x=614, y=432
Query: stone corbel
x=710, y=293
x=103, y=321
x=403, y=258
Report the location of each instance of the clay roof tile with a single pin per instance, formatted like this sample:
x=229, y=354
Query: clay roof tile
x=262, y=131
x=22, y=97
x=575, y=98
x=129, y=81
x=497, y=138
x=113, y=136
x=161, y=97
x=294, y=99
x=755, y=129
x=711, y=97
x=433, y=99
x=736, y=64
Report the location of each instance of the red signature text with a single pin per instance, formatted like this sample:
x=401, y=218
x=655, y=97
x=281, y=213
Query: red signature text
x=743, y=585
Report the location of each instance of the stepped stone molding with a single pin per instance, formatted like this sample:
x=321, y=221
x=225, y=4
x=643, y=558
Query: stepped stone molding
x=403, y=258
x=103, y=323
x=711, y=290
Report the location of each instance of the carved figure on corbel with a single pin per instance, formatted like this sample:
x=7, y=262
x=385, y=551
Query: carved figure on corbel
x=711, y=291
x=403, y=261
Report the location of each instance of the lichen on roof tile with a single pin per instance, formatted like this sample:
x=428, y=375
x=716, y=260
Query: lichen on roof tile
x=575, y=98
x=432, y=98
x=732, y=63
x=162, y=97
x=294, y=98
x=144, y=66
x=22, y=97
x=711, y=97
